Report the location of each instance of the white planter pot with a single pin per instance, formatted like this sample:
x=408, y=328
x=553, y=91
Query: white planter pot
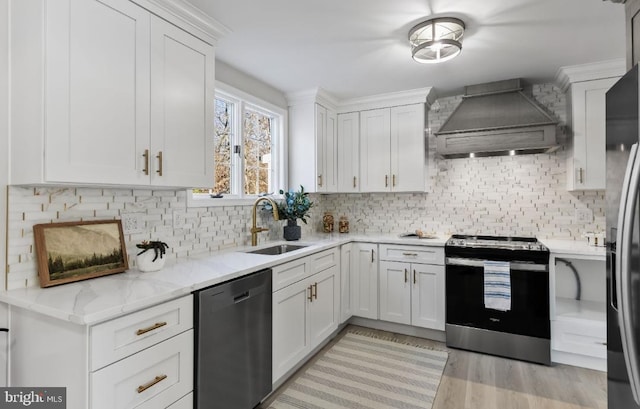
x=146, y=264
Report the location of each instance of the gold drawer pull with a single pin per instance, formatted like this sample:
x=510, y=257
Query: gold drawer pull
x=315, y=291
x=310, y=297
x=156, y=380
x=151, y=328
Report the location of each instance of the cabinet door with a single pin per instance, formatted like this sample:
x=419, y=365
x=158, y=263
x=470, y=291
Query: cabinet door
x=349, y=152
x=395, y=292
x=326, y=149
x=632, y=17
x=323, y=308
x=97, y=92
x=364, y=280
x=290, y=327
x=589, y=134
x=182, y=81
x=346, y=253
x=374, y=151
x=427, y=296
x=408, y=154
x=321, y=131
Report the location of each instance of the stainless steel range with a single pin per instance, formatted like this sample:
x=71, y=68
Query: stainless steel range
x=498, y=296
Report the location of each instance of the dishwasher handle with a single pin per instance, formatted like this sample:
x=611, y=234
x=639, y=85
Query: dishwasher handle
x=241, y=297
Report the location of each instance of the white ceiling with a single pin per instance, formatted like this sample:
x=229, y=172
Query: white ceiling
x=355, y=48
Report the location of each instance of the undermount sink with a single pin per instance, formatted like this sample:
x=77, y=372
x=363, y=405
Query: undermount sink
x=275, y=250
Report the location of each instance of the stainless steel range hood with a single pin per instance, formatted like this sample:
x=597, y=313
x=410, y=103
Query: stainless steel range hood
x=496, y=119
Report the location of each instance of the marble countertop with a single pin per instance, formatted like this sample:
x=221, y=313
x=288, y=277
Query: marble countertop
x=574, y=248
x=92, y=301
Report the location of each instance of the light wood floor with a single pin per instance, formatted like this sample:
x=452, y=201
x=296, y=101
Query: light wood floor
x=478, y=381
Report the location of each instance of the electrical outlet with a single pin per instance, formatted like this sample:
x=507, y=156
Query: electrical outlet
x=584, y=216
x=179, y=219
x=131, y=223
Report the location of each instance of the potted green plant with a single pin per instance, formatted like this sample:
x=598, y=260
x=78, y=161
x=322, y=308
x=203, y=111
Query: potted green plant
x=148, y=260
x=296, y=205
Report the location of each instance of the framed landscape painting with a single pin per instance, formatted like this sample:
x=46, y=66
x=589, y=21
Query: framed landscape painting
x=74, y=251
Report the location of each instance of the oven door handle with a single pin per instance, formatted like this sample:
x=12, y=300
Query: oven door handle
x=472, y=262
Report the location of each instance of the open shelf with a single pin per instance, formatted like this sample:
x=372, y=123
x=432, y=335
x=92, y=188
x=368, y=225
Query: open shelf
x=574, y=310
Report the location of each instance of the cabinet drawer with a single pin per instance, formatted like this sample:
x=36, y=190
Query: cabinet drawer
x=184, y=403
x=151, y=379
x=324, y=260
x=412, y=254
x=124, y=336
x=289, y=273
x=582, y=338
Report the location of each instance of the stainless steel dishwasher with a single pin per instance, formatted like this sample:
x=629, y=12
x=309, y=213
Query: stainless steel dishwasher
x=233, y=343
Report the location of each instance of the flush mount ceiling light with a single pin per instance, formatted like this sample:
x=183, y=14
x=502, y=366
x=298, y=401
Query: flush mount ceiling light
x=436, y=40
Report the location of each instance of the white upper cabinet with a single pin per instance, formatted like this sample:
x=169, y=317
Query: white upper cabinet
x=182, y=89
x=392, y=149
x=408, y=149
x=375, y=142
x=313, y=155
x=327, y=150
x=349, y=152
x=106, y=94
x=586, y=86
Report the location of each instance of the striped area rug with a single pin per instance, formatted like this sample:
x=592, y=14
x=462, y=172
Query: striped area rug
x=361, y=372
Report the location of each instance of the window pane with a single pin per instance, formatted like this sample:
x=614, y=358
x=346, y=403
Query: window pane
x=257, y=153
x=223, y=143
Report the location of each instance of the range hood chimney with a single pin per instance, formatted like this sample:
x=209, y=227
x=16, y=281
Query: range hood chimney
x=496, y=119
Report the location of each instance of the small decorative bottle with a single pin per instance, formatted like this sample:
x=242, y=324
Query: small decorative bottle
x=343, y=225
x=327, y=222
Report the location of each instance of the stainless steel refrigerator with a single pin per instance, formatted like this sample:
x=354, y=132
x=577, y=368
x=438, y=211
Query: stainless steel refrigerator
x=623, y=244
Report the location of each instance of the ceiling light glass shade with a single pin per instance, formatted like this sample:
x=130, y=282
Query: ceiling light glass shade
x=436, y=40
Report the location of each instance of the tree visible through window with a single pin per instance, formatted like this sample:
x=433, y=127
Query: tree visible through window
x=257, y=153
x=243, y=147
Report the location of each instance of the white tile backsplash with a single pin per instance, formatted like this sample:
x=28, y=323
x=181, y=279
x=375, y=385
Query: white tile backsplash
x=521, y=195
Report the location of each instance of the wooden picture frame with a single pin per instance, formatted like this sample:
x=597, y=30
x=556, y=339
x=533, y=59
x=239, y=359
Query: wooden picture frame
x=74, y=251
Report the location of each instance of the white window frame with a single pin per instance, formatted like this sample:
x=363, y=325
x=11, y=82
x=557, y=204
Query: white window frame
x=242, y=101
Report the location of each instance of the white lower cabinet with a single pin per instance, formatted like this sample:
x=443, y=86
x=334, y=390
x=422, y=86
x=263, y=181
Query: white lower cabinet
x=412, y=293
x=184, y=403
x=152, y=378
x=142, y=360
x=364, y=280
x=346, y=306
x=305, y=312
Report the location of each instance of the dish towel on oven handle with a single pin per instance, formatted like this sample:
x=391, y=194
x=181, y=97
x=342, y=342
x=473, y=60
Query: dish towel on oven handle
x=497, y=285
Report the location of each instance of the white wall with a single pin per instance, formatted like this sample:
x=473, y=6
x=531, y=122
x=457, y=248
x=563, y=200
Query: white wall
x=253, y=86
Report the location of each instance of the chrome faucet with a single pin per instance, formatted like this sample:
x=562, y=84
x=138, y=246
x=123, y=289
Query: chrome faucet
x=255, y=229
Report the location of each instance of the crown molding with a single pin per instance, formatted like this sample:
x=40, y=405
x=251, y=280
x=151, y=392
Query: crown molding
x=188, y=17
x=591, y=71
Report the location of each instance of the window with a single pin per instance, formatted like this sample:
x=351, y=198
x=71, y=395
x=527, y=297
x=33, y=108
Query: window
x=248, y=149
